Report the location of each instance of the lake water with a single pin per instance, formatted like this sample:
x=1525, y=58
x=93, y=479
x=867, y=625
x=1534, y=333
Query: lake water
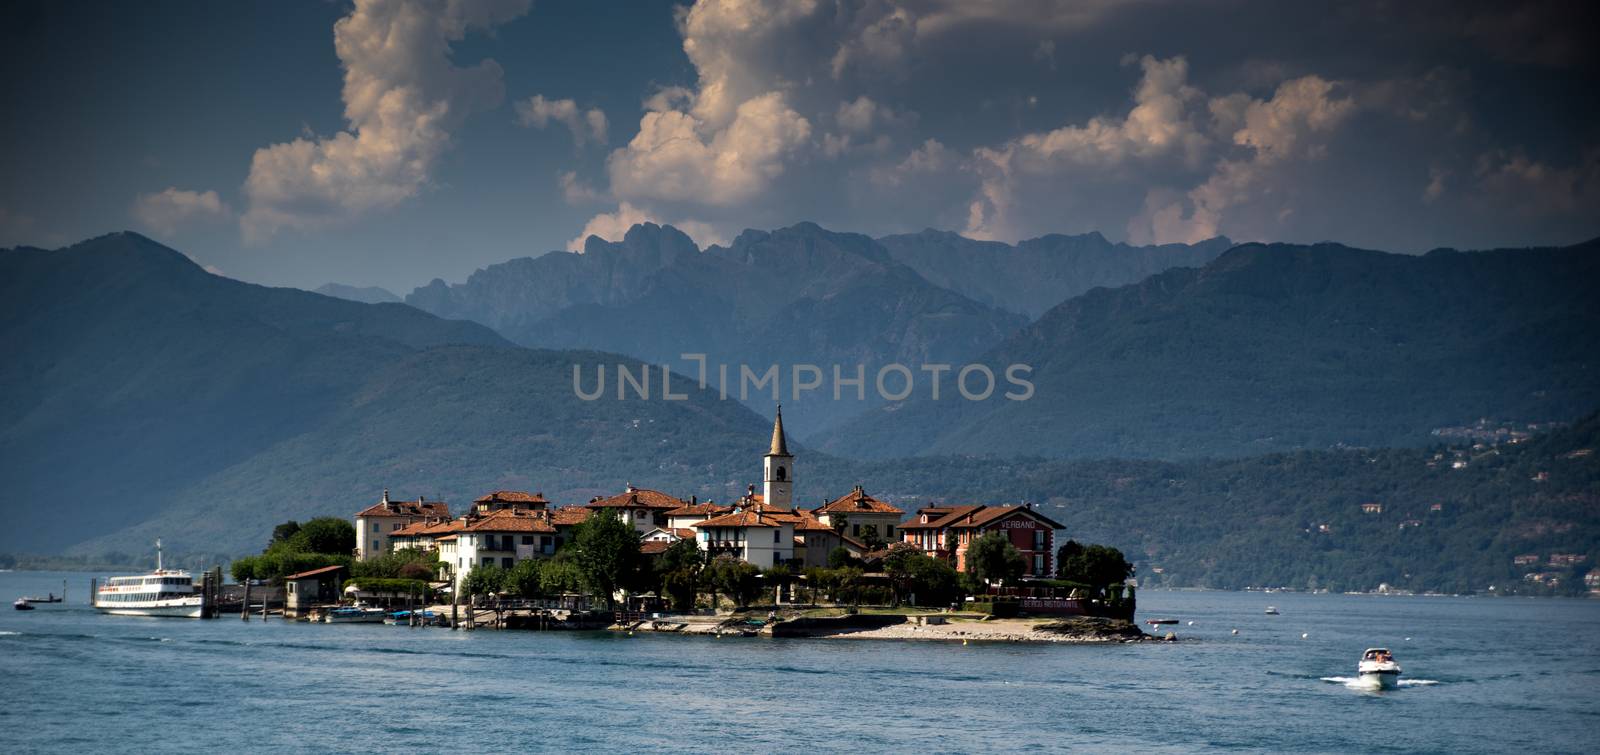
x=1483, y=675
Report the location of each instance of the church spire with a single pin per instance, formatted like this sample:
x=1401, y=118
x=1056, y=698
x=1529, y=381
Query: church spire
x=777, y=489
x=780, y=446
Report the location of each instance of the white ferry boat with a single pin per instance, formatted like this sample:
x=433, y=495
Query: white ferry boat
x=163, y=592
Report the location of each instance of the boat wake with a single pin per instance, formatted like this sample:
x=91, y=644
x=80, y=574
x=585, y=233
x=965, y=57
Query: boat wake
x=1356, y=682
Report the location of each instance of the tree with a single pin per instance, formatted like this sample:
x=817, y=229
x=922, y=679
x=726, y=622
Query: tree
x=606, y=551
x=818, y=578
x=1095, y=565
x=284, y=531
x=840, y=557
x=560, y=574
x=899, y=565
x=523, y=578
x=777, y=576
x=484, y=580
x=870, y=537
x=678, y=572
x=993, y=558
x=738, y=580
x=325, y=534
x=406, y=563
x=933, y=581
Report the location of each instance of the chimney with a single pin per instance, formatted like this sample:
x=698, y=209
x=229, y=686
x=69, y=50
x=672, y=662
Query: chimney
x=694, y=500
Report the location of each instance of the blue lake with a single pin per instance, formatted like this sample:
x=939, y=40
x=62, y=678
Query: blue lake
x=1484, y=675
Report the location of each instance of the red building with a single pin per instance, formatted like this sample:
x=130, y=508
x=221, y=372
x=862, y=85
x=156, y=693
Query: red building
x=946, y=531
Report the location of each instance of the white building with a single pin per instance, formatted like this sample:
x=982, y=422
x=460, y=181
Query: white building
x=500, y=539
x=777, y=469
x=761, y=539
x=376, y=523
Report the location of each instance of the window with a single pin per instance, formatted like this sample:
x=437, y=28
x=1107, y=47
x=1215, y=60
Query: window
x=1038, y=540
x=376, y=527
x=1038, y=563
x=377, y=543
x=888, y=532
x=855, y=530
x=527, y=539
x=508, y=562
x=396, y=526
x=782, y=473
x=488, y=561
x=775, y=534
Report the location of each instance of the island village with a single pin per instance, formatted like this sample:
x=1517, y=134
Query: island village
x=646, y=560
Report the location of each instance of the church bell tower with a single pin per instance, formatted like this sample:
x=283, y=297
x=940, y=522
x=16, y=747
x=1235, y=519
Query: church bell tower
x=777, y=489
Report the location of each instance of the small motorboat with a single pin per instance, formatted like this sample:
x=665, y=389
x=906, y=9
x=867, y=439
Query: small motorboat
x=1272, y=610
x=399, y=618
x=356, y=614
x=1378, y=667
x=22, y=604
x=1158, y=622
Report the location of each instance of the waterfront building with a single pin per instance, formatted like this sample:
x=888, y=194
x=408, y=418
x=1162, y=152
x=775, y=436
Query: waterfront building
x=754, y=536
x=502, y=539
x=376, y=523
x=946, y=532
x=857, y=513
x=641, y=508
x=311, y=588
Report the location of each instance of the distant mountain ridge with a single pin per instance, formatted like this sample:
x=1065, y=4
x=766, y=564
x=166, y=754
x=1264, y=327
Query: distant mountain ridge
x=1034, y=275
x=1277, y=346
x=143, y=397
x=797, y=295
x=363, y=294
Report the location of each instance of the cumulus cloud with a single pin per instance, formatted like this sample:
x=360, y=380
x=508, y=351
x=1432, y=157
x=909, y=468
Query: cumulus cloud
x=1291, y=125
x=402, y=97
x=678, y=157
x=1509, y=179
x=168, y=210
x=1160, y=125
x=585, y=125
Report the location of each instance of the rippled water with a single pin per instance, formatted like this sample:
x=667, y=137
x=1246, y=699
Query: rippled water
x=1483, y=675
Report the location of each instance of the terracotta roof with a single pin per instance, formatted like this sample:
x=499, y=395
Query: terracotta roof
x=316, y=572
x=857, y=500
x=652, y=547
x=407, y=508
x=511, y=496
x=810, y=524
x=684, y=532
x=968, y=517
x=510, y=520
x=701, y=509
x=650, y=499
x=938, y=516
x=740, y=519
x=569, y=515
x=443, y=538
x=426, y=527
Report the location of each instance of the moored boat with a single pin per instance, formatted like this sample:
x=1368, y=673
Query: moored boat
x=22, y=604
x=356, y=614
x=1272, y=610
x=1378, y=667
x=163, y=592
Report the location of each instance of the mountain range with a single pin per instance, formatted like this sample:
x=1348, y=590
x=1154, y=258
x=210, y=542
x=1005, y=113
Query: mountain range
x=1275, y=346
x=796, y=295
x=144, y=397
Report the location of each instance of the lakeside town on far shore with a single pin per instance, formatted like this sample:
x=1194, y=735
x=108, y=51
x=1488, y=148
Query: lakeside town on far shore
x=645, y=560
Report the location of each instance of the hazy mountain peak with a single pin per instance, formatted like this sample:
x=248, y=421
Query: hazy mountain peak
x=363, y=294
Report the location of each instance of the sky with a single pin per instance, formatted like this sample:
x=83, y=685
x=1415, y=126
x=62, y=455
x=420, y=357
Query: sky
x=389, y=142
